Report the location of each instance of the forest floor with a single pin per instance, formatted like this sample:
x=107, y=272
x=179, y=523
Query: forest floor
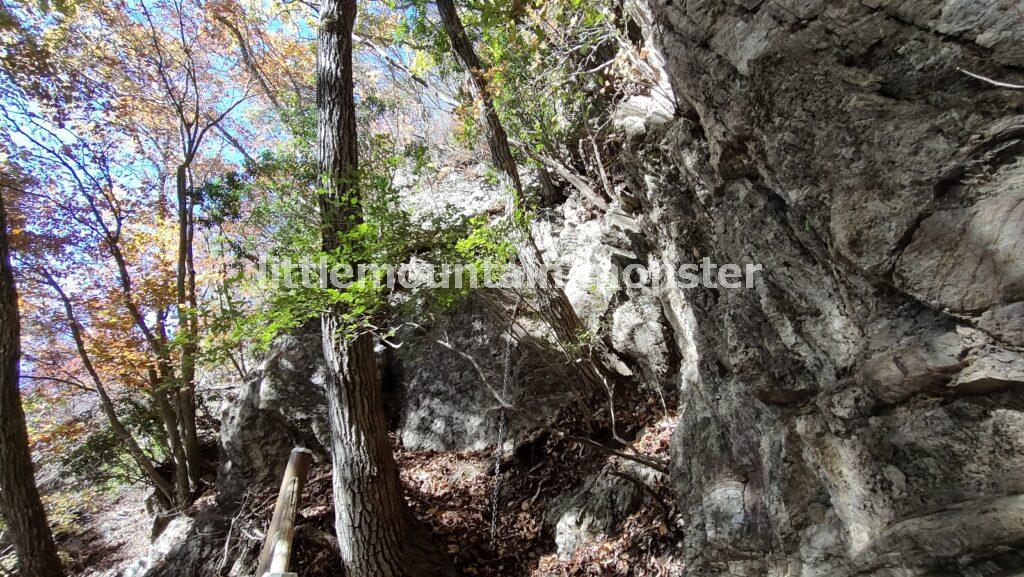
x=110, y=530
x=453, y=493
x=456, y=505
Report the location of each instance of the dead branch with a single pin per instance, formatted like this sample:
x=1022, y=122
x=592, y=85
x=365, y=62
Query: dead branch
x=996, y=83
x=565, y=173
x=657, y=464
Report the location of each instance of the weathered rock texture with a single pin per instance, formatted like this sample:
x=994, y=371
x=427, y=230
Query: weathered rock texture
x=440, y=399
x=447, y=402
x=281, y=406
x=861, y=409
x=597, y=508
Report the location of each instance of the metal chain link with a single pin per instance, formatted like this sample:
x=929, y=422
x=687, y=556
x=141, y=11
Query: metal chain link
x=508, y=376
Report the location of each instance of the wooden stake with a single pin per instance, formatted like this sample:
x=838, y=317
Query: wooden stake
x=277, y=547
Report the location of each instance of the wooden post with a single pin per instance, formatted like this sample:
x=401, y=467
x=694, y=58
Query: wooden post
x=277, y=547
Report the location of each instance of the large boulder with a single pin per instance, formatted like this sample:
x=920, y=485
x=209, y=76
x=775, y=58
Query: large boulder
x=282, y=405
x=860, y=409
x=448, y=378
x=437, y=397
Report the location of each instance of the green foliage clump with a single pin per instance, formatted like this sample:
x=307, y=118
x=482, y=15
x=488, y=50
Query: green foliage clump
x=280, y=196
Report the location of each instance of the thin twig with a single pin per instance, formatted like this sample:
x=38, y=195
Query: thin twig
x=656, y=464
x=991, y=81
x=227, y=542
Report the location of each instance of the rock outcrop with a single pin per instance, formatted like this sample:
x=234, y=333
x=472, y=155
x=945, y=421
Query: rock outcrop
x=860, y=410
x=440, y=399
x=448, y=402
x=282, y=405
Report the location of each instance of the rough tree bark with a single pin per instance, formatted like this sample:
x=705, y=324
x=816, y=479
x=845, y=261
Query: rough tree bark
x=553, y=303
x=19, y=499
x=377, y=532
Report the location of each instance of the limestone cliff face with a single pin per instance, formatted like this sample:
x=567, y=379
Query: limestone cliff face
x=861, y=409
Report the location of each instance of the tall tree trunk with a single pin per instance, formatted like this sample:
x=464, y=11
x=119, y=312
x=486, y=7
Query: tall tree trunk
x=19, y=498
x=377, y=532
x=553, y=303
x=187, y=324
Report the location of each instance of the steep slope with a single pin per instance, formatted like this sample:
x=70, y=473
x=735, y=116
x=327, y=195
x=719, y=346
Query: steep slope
x=858, y=410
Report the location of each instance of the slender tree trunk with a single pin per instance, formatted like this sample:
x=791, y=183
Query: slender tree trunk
x=377, y=532
x=187, y=324
x=170, y=422
x=553, y=303
x=494, y=130
x=138, y=455
x=19, y=498
x=161, y=379
x=106, y=403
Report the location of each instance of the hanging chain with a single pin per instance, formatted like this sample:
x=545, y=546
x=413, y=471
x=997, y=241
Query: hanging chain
x=508, y=376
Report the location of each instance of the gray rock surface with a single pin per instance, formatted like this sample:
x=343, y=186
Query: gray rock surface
x=166, y=548
x=859, y=411
x=283, y=405
x=445, y=404
x=592, y=511
x=440, y=400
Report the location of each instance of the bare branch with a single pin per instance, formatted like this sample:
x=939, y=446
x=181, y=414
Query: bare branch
x=250, y=62
x=68, y=382
x=991, y=81
x=656, y=464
